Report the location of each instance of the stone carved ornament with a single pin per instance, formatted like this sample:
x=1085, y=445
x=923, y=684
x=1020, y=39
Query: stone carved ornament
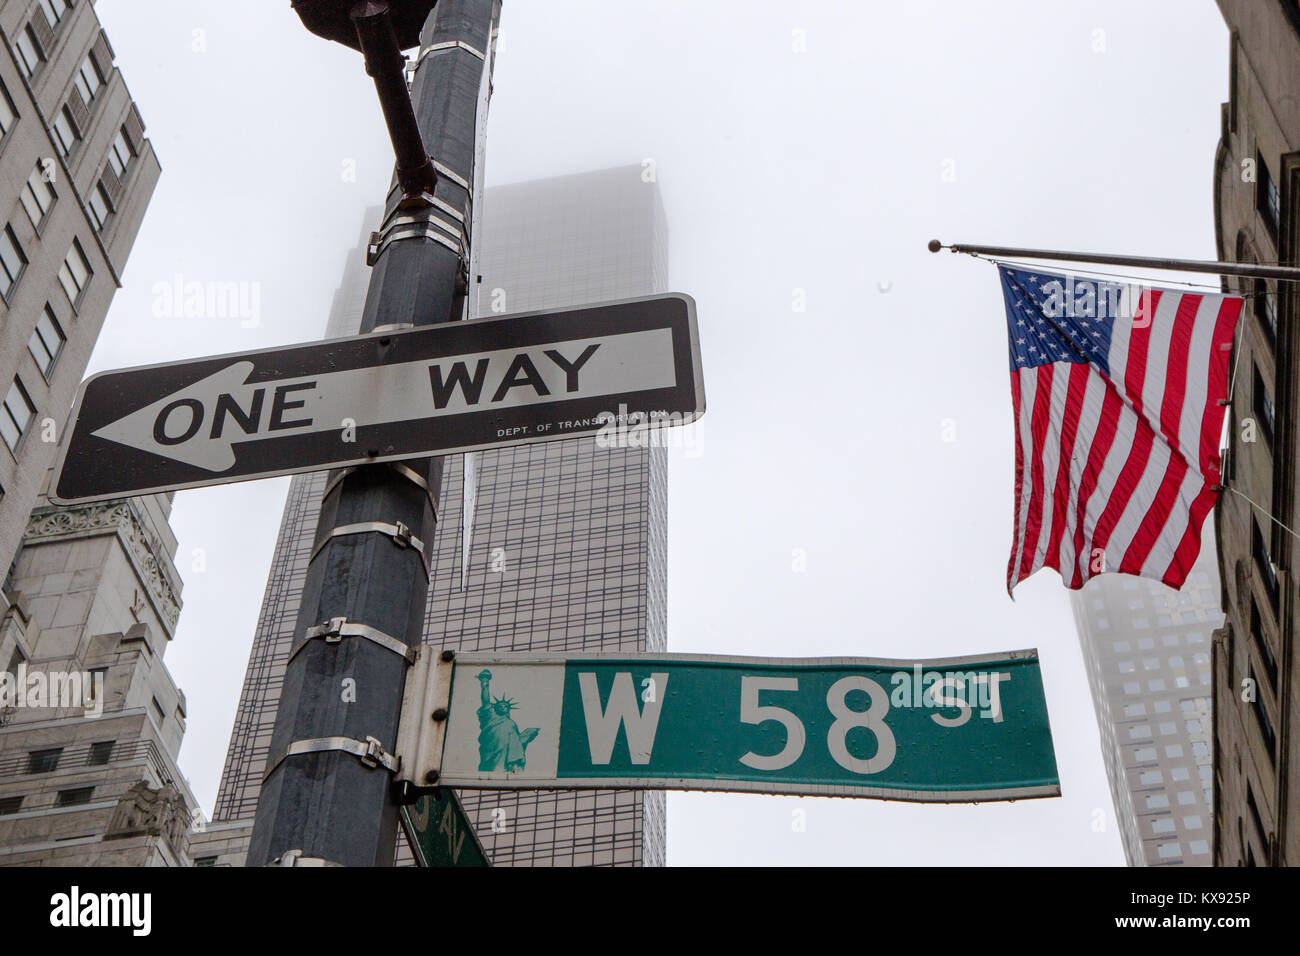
x=118, y=516
x=144, y=811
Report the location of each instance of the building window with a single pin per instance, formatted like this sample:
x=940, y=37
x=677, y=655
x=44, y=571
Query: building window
x=1262, y=642
x=1263, y=404
x=1260, y=833
x=30, y=56
x=8, y=115
x=205, y=861
x=75, y=273
x=46, y=341
x=44, y=761
x=1264, y=563
x=101, y=207
x=1292, y=10
x=1266, y=307
x=54, y=11
x=1267, y=199
x=100, y=753
x=98, y=681
x=65, y=132
x=74, y=797
x=87, y=80
x=12, y=261
x=16, y=414
x=38, y=196
x=158, y=712
x=10, y=805
x=1265, y=722
x=16, y=658
x=120, y=154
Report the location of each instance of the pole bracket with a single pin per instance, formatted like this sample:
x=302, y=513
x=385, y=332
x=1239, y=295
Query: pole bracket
x=423, y=216
x=422, y=728
x=399, y=532
x=369, y=751
x=336, y=628
x=434, y=49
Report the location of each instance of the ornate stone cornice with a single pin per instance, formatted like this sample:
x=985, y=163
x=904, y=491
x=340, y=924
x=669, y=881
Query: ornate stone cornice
x=146, y=552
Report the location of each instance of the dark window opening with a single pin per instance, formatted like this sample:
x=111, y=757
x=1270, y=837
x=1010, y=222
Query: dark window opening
x=1264, y=563
x=101, y=752
x=74, y=797
x=1263, y=406
x=1268, y=201
x=1261, y=640
x=44, y=761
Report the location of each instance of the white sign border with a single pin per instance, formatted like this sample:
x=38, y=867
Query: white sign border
x=65, y=446
x=477, y=659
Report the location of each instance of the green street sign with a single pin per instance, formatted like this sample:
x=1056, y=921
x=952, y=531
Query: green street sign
x=957, y=730
x=440, y=833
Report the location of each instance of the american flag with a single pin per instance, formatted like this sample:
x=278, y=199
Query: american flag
x=1116, y=389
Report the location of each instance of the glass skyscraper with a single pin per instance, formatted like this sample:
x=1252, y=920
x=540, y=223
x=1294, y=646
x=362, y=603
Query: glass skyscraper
x=567, y=548
x=1147, y=651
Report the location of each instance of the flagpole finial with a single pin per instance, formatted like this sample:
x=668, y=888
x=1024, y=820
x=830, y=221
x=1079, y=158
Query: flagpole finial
x=935, y=245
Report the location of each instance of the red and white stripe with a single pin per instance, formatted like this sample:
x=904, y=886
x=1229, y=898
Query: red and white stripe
x=1116, y=473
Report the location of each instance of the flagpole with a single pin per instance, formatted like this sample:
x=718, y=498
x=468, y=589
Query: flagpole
x=1245, y=270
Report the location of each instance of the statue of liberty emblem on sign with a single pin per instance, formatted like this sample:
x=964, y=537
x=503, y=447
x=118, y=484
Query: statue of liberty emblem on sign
x=501, y=744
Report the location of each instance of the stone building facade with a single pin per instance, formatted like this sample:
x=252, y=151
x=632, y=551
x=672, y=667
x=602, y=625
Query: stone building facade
x=1257, y=212
x=76, y=174
x=90, y=719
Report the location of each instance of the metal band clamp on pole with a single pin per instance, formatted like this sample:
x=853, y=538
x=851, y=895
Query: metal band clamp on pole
x=336, y=628
x=407, y=472
x=435, y=48
x=295, y=858
x=369, y=751
x=419, y=223
x=400, y=533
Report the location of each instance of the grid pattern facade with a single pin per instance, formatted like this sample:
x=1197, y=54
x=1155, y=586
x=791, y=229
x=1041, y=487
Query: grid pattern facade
x=1147, y=651
x=568, y=542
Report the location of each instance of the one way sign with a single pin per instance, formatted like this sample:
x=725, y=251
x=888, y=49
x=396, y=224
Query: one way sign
x=448, y=388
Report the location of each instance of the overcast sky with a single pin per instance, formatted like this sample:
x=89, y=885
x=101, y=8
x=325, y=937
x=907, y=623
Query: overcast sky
x=806, y=152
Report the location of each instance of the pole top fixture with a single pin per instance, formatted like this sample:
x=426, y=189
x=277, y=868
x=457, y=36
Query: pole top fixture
x=935, y=245
x=332, y=19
